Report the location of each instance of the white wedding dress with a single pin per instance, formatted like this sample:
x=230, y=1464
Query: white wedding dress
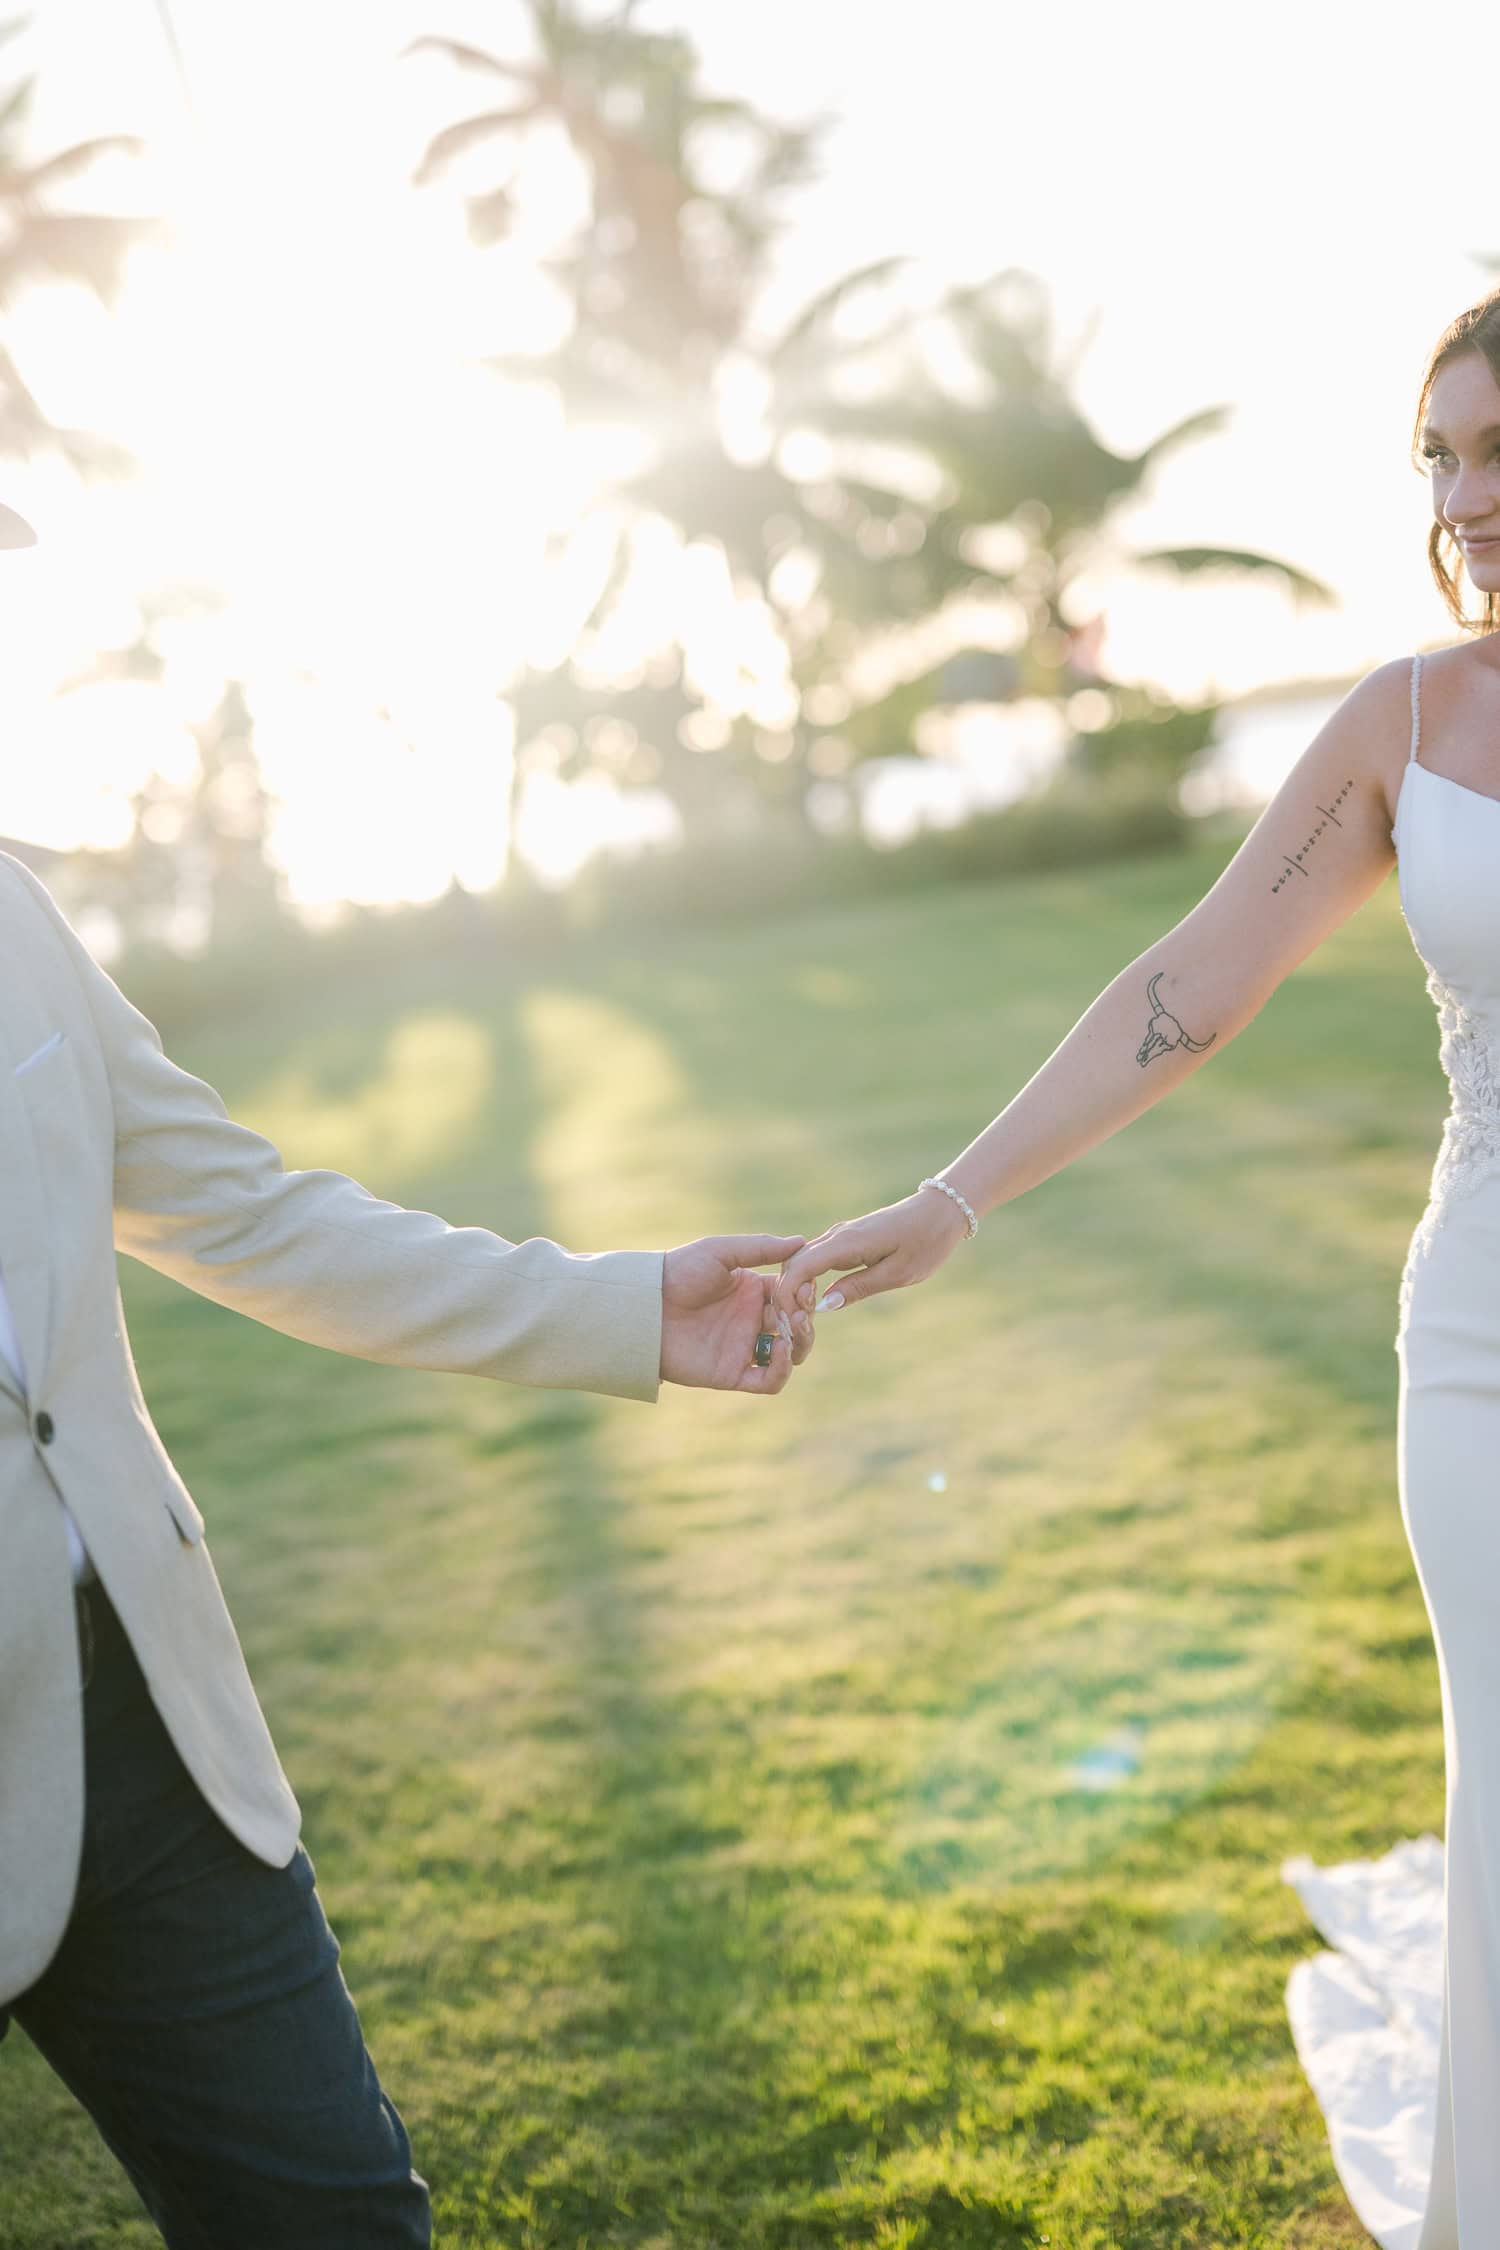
x=1399, y=2029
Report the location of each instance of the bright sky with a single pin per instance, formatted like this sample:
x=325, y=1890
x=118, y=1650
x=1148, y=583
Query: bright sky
x=1280, y=210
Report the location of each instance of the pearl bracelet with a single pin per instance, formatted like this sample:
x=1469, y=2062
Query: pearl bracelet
x=970, y=1219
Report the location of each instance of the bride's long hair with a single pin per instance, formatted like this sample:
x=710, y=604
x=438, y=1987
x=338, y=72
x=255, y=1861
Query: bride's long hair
x=1477, y=330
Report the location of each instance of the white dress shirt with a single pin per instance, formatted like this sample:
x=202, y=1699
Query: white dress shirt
x=10, y=1346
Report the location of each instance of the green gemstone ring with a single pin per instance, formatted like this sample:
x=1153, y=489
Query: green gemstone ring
x=765, y=1344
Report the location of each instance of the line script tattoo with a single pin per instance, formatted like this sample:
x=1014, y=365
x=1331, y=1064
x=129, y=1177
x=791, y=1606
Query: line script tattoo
x=1164, y=1033
x=1294, y=860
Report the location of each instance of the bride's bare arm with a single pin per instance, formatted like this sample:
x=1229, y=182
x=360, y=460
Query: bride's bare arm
x=1314, y=856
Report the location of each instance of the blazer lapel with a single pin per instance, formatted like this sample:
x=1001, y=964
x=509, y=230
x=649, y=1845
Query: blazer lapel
x=25, y=1251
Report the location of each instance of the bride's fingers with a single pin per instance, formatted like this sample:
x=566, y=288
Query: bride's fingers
x=793, y=1327
x=858, y=1243
x=815, y=1258
x=789, y=1299
x=869, y=1281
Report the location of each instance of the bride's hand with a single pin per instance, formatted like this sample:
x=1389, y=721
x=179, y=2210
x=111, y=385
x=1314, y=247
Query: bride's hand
x=888, y=1249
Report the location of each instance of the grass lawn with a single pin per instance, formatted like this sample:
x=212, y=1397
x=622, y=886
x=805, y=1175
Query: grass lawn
x=696, y=1791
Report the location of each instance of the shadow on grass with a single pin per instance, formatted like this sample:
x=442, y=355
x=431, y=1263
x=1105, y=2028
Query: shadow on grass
x=655, y=1996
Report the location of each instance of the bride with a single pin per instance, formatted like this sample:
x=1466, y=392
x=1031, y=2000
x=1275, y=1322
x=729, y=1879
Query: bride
x=1399, y=2030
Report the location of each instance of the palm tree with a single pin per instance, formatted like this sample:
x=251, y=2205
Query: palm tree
x=40, y=244
x=898, y=520
x=659, y=282
x=664, y=266
x=200, y=844
x=1026, y=501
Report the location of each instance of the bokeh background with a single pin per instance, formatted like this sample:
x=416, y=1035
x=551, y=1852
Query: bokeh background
x=517, y=437
x=636, y=606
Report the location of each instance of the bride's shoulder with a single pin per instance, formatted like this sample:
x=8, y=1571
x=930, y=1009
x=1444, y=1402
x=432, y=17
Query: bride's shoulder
x=1425, y=682
x=1469, y=667
x=1369, y=734
x=1391, y=683
x=1447, y=684
x=1376, y=711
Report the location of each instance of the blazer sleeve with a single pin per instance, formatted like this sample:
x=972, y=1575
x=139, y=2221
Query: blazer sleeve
x=209, y=1202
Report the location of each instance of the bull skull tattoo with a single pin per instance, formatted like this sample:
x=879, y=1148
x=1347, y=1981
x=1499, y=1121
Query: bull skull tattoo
x=1164, y=1033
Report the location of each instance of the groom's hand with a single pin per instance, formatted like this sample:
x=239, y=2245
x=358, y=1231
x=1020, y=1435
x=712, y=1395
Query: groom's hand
x=714, y=1305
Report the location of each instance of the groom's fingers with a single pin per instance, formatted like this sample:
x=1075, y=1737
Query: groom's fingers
x=795, y=1327
x=754, y=1249
x=797, y=1283
x=767, y=1381
x=793, y=1304
x=837, y=1250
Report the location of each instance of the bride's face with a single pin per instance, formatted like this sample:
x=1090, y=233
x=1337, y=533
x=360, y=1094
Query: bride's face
x=1460, y=443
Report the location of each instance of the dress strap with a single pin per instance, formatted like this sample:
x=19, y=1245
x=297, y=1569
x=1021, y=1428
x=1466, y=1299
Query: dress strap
x=1416, y=706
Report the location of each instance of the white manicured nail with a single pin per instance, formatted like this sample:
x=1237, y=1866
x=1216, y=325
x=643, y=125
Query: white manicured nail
x=831, y=1302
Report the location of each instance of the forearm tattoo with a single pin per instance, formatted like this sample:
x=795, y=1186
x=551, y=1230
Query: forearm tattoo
x=1164, y=1034
x=1294, y=860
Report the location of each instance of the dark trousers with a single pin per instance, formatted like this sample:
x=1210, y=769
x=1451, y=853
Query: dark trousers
x=197, y=2010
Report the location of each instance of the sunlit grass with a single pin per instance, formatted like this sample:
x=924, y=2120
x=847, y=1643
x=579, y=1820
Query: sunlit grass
x=399, y=1112
x=698, y=1792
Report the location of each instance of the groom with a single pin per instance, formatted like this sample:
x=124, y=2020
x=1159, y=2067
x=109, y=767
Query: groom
x=161, y=1939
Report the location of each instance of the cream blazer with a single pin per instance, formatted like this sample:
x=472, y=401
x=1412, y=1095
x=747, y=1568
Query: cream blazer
x=105, y=1144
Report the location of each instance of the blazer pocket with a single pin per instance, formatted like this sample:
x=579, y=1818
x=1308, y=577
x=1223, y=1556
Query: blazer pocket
x=183, y=1510
x=47, y=1082
x=48, y=1047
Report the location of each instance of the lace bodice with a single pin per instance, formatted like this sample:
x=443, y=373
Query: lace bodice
x=1469, y=1050
x=1448, y=851
x=1470, y=1055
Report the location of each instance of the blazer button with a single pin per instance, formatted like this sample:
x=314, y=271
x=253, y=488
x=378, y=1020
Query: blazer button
x=44, y=1427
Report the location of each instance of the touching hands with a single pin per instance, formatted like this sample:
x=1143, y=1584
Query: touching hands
x=714, y=1306
x=888, y=1249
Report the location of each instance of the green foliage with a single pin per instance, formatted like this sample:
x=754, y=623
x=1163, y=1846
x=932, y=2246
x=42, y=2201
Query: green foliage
x=772, y=872
x=1237, y=562
x=736, y=878
x=1151, y=741
x=693, y=1790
